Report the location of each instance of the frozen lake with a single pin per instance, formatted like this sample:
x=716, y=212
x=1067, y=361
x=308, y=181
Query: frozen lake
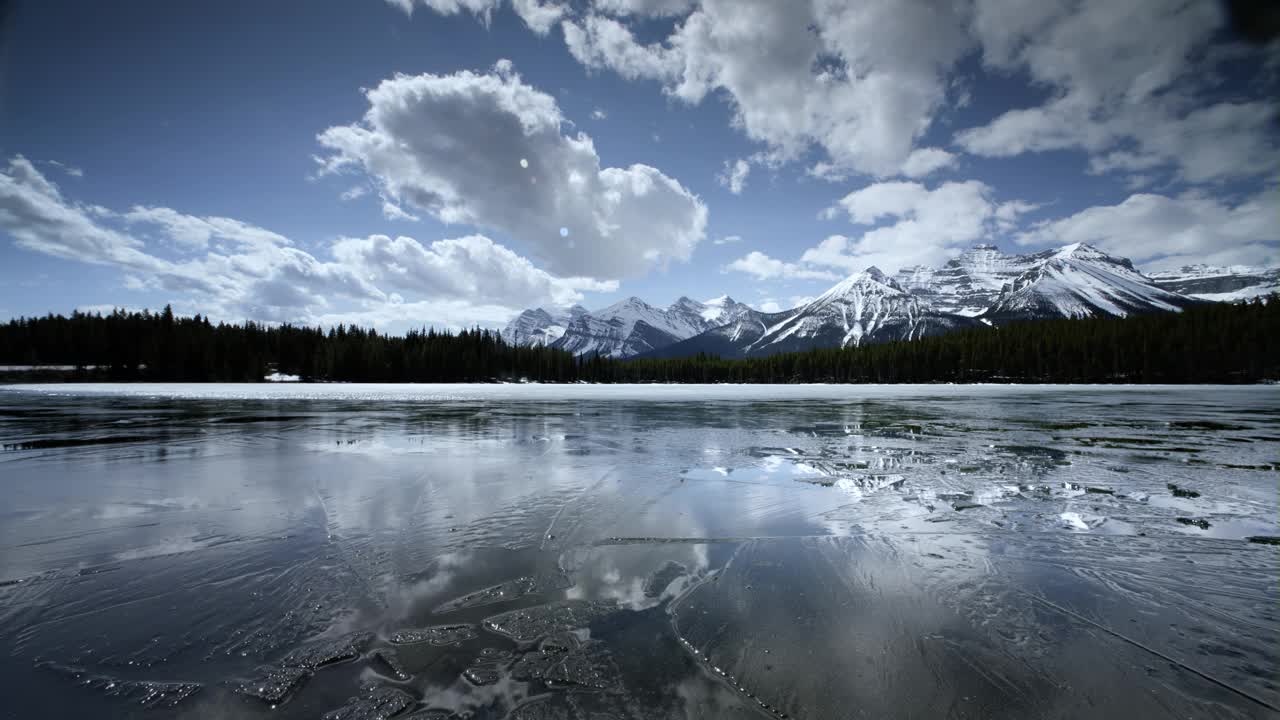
x=490, y=551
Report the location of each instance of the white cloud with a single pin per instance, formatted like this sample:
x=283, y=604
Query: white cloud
x=644, y=8
x=452, y=146
x=860, y=80
x=599, y=114
x=467, y=267
x=34, y=213
x=727, y=240
x=234, y=270
x=195, y=233
x=864, y=81
x=392, y=211
x=915, y=224
x=354, y=192
x=773, y=305
x=1157, y=231
x=603, y=42
x=538, y=15
x=1133, y=100
x=923, y=162
x=71, y=170
x=763, y=267
x=734, y=175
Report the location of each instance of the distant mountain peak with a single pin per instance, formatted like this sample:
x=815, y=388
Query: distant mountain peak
x=980, y=285
x=871, y=279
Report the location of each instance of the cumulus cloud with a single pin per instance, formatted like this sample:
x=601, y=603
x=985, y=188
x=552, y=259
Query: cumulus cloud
x=763, y=267
x=923, y=162
x=467, y=267
x=34, y=212
x=1160, y=232
x=1133, y=100
x=862, y=81
x=734, y=176
x=392, y=211
x=194, y=233
x=914, y=224
x=489, y=151
x=907, y=223
x=601, y=42
x=234, y=270
x=644, y=8
x=599, y=114
x=539, y=15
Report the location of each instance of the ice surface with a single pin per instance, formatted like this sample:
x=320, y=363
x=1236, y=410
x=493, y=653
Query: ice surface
x=531, y=392
x=655, y=551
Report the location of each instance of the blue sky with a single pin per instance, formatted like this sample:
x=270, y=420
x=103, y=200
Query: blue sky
x=327, y=161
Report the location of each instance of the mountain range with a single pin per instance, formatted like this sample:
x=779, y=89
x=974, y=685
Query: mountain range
x=981, y=286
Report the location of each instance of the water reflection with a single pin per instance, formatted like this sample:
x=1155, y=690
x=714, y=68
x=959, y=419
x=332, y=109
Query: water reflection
x=934, y=552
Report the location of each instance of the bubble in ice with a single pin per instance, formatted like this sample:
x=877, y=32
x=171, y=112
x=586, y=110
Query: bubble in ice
x=589, y=666
x=436, y=635
x=482, y=674
x=274, y=685
x=564, y=232
x=147, y=693
x=502, y=592
x=328, y=652
x=537, y=622
x=375, y=703
x=524, y=163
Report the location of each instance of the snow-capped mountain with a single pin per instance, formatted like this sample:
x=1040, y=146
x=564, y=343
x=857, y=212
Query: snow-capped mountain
x=1219, y=284
x=624, y=329
x=1079, y=280
x=539, y=327
x=969, y=283
x=980, y=286
x=867, y=307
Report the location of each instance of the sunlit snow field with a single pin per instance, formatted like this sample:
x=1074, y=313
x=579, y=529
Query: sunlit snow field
x=542, y=551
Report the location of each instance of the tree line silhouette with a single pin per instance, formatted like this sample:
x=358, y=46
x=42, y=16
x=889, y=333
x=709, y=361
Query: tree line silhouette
x=1211, y=343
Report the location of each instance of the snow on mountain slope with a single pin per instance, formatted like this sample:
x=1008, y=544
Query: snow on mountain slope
x=691, y=317
x=538, y=326
x=722, y=310
x=632, y=326
x=729, y=340
x=1081, y=281
x=980, y=286
x=1219, y=284
x=967, y=284
x=866, y=307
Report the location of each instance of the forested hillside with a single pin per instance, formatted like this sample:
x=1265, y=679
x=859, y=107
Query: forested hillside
x=1209, y=343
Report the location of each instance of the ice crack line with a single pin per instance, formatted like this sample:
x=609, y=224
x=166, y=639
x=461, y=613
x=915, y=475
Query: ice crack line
x=1220, y=683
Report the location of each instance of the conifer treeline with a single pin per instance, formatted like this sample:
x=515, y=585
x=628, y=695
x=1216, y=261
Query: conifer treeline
x=1209, y=343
